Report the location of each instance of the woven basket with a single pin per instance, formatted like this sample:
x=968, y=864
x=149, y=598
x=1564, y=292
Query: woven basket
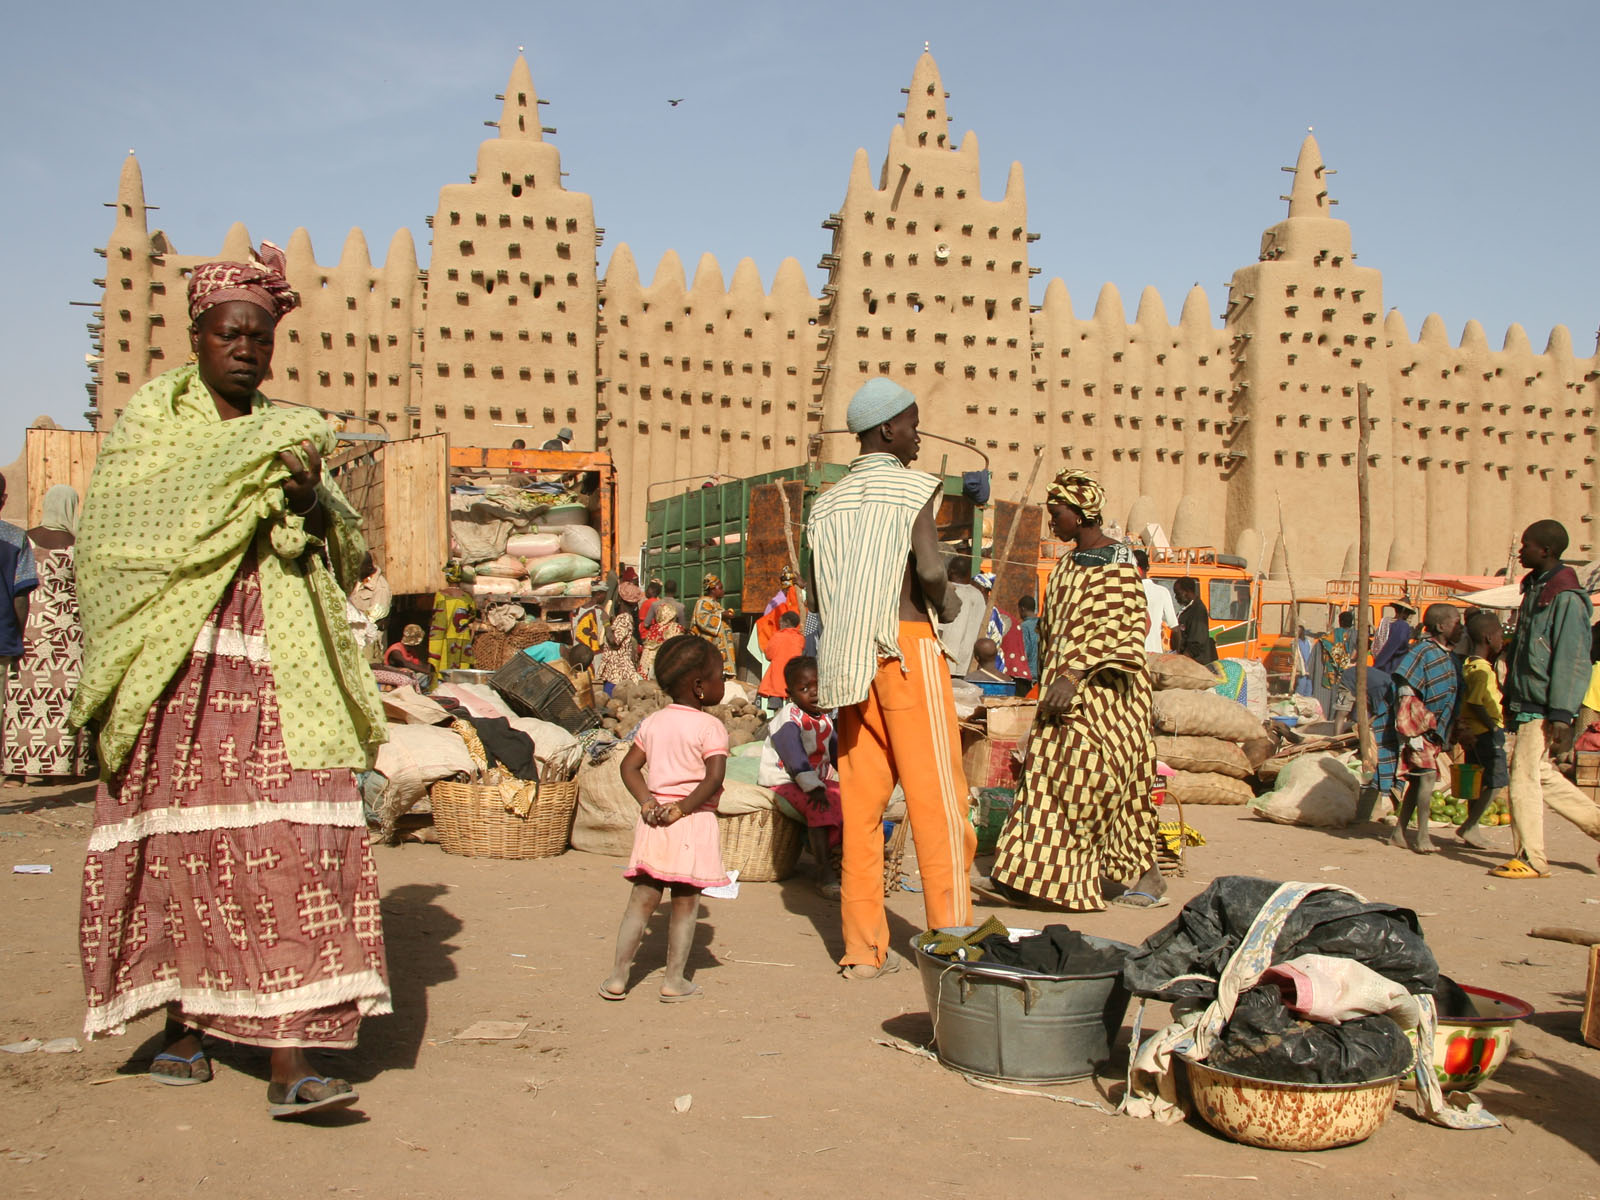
x=472, y=821
x=490, y=650
x=763, y=846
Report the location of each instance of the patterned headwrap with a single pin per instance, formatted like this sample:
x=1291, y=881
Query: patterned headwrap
x=1081, y=490
x=786, y=577
x=709, y=583
x=260, y=282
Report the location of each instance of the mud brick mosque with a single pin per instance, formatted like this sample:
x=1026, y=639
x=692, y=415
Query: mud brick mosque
x=1241, y=436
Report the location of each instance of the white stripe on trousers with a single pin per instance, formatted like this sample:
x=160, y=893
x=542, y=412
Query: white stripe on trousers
x=954, y=816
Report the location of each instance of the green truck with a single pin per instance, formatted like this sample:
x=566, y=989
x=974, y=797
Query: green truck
x=746, y=531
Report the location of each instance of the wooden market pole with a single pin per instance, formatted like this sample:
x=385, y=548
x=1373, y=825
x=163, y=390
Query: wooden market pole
x=1369, y=751
x=1011, y=537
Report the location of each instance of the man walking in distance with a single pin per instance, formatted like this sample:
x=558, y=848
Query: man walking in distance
x=1545, y=683
x=877, y=573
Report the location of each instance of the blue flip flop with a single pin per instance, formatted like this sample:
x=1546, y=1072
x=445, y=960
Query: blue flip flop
x=1155, y=901
x=180, y=1080
x=292, y=1106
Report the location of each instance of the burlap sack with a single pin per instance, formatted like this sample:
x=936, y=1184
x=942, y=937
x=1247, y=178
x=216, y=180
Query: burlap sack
x=1202, y=714
x=737, y=799
x=1170, y=672
x=413, y=759
x=1208, y=787
x=607, y=811
x=1314, y=789
x=1203, y=754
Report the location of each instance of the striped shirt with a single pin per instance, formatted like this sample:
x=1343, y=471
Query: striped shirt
x=860, y=537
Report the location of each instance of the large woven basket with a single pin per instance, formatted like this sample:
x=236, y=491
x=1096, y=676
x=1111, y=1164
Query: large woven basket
x=472, y=821
x=763, y=846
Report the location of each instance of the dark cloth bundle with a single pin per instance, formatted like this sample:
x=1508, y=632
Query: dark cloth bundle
x=1208, y=929
x=1058, y=950
x=1265, y=1040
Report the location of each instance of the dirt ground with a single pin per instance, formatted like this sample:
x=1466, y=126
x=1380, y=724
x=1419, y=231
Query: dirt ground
x=791, y=1094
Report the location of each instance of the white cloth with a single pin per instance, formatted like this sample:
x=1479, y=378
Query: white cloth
x=1162, y=612
x=961, y=635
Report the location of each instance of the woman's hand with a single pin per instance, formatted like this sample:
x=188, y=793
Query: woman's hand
x=1057, y=700
x=818, y=798
x=300, y=489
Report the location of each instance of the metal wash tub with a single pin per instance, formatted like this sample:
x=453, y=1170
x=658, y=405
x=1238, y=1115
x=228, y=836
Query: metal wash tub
x=996, y=1022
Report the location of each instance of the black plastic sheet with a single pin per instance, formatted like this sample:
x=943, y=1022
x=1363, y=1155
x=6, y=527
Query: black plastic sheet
x=1208, y=929
x=1266, y=1040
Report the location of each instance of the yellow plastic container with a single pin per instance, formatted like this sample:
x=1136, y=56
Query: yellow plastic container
x=1466, y=780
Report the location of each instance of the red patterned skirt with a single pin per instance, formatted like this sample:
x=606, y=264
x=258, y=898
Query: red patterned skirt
x=222, y=881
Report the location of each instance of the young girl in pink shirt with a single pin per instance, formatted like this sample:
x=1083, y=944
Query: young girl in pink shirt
x=675, y=845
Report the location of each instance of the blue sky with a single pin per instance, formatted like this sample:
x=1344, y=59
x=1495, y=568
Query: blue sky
x=1150, y=135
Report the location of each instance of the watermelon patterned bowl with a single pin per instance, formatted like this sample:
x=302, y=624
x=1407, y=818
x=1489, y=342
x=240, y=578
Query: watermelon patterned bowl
x=1468, y=1050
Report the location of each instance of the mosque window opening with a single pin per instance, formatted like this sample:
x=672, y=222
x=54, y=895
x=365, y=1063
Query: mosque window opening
x=516, y=190
x=481, y=218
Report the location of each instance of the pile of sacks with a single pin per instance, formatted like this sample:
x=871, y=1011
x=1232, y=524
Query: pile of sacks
x=504, y=551
x=1212, y=743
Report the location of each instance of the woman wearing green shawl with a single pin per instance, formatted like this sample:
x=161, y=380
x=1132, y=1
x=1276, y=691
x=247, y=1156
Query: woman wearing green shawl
x=228, y=877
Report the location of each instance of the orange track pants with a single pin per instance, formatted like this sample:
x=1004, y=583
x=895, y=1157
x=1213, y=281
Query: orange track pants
x=904, y=731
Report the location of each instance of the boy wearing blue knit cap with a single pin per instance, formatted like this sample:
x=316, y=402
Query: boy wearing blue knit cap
x=877, y=575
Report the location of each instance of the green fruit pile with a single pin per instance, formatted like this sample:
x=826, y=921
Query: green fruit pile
x=1446, y=808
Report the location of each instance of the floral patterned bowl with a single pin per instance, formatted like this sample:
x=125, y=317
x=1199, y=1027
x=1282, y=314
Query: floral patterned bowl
x=1468, y=1050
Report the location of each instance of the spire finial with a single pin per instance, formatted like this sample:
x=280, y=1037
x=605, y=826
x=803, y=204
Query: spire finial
x=927, y=123
x=927, y=48
x=1309, y=196
x=519, y=113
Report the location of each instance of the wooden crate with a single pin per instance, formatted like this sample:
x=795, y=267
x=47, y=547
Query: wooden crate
x=1588, y=773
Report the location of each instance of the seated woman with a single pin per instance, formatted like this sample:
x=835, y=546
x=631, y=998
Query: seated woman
x=408, y=654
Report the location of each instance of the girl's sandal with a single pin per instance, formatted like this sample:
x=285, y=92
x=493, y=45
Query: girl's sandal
x=1517, y=869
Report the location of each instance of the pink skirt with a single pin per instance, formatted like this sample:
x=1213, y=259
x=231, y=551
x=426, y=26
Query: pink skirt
x=686, y=852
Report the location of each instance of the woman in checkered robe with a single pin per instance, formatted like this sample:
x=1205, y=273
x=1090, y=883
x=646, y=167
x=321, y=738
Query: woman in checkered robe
x=1083, y=811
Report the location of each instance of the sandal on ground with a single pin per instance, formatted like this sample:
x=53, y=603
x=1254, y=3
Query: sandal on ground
x=892, y=962
x=313, y=1093
x=829, y=891
x=693, y=993
x=607, y=994
x=1149, y=899
x=1517, y=869
x=197, y=1069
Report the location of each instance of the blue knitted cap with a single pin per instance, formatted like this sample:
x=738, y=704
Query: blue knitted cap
x=876, y=401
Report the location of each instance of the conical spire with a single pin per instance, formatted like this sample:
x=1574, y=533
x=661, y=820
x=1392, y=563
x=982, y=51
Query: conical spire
x=355, y=253
x=519, y=115
x=1309, y=196
x=401, y=259
x=130, y=193
x=927, y=122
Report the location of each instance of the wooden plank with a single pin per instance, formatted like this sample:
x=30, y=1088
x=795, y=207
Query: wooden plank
x=766, y=548
x=58, y=456
x=1018, y=575
x=1564, y=933
x=1591, y=1000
